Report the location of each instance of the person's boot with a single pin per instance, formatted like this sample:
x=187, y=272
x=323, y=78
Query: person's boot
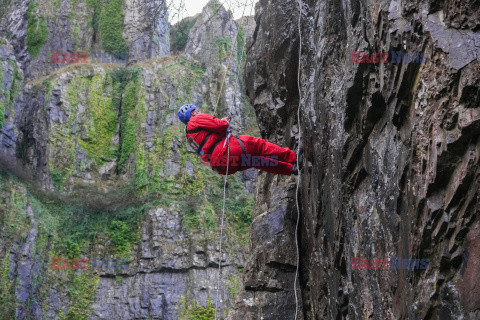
x=295, y=168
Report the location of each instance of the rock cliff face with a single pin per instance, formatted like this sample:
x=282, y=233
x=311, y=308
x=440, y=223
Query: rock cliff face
x=213, y=42
x=391, y=166
x=94, y=165
x=137, y=29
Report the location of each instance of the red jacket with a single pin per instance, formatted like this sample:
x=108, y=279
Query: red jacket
x=209, y=124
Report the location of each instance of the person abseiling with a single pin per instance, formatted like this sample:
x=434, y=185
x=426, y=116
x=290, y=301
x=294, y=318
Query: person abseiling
x=208, y=135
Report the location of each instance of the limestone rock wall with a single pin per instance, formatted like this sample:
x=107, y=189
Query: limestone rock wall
x=212, y=41
x=137, y=29
x=94, y=164
x=391, y=164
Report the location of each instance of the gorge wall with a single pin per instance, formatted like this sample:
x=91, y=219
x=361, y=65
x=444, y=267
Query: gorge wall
x=94, y=164
x=391, y=160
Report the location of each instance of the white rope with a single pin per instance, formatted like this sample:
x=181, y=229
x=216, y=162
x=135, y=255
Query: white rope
x=221, y=223
x=299, y=145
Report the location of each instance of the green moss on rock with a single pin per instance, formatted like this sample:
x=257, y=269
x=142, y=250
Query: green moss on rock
x=8, y=95
x=120, y=233
x=128, y=125
x=7, y=296
x=103, y=121
x=63, y=141
x=179, y=33
x=194, y=311
x=37, y=30
x=111, y=27
x=81, y=291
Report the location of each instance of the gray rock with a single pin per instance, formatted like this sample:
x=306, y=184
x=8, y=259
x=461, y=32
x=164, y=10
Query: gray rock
x=385, y=159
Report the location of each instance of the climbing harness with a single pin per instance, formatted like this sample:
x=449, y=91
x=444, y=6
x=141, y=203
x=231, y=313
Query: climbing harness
x=300, y=7
x=194, y=144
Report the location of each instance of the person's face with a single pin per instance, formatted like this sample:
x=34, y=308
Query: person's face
x=194, y=113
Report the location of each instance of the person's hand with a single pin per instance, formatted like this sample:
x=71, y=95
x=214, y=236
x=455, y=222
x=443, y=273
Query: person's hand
x=226, y=118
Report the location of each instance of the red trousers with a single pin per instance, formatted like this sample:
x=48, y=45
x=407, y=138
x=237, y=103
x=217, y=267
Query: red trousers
x=259, y=154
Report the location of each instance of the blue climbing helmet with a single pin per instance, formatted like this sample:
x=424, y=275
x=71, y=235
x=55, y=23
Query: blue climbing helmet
x=185, y=112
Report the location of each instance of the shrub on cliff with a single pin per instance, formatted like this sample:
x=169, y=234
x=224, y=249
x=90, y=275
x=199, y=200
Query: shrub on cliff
x=179, y=34
x=36, y=31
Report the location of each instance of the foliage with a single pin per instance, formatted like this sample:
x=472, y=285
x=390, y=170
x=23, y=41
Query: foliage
x=58, y=177
x=96, y=5
x=72, y=248
x=81, y=290
x=128, y=125
x=120, y=234
x=241, y=54
x=80, y=225
x=224, y=45
x=48, y=84
x=126, y=87
x=195, y=311
x=62, y=141
x=36, y=31
x=241, y=209
x=7, y=296
x=12, y=210
x=234, y=285
x=179, y=33
x=10, y=95
x=184, y=75
x=104, y=122
x=111, y=27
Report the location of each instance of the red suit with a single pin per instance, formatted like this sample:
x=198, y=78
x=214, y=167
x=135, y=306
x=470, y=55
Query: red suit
x=246, y=152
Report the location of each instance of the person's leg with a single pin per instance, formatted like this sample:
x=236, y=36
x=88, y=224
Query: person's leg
x=261, y=147
x=271, y=165
x=266, y=156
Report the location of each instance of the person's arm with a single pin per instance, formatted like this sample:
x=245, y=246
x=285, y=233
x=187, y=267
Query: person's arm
x=210, y=123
